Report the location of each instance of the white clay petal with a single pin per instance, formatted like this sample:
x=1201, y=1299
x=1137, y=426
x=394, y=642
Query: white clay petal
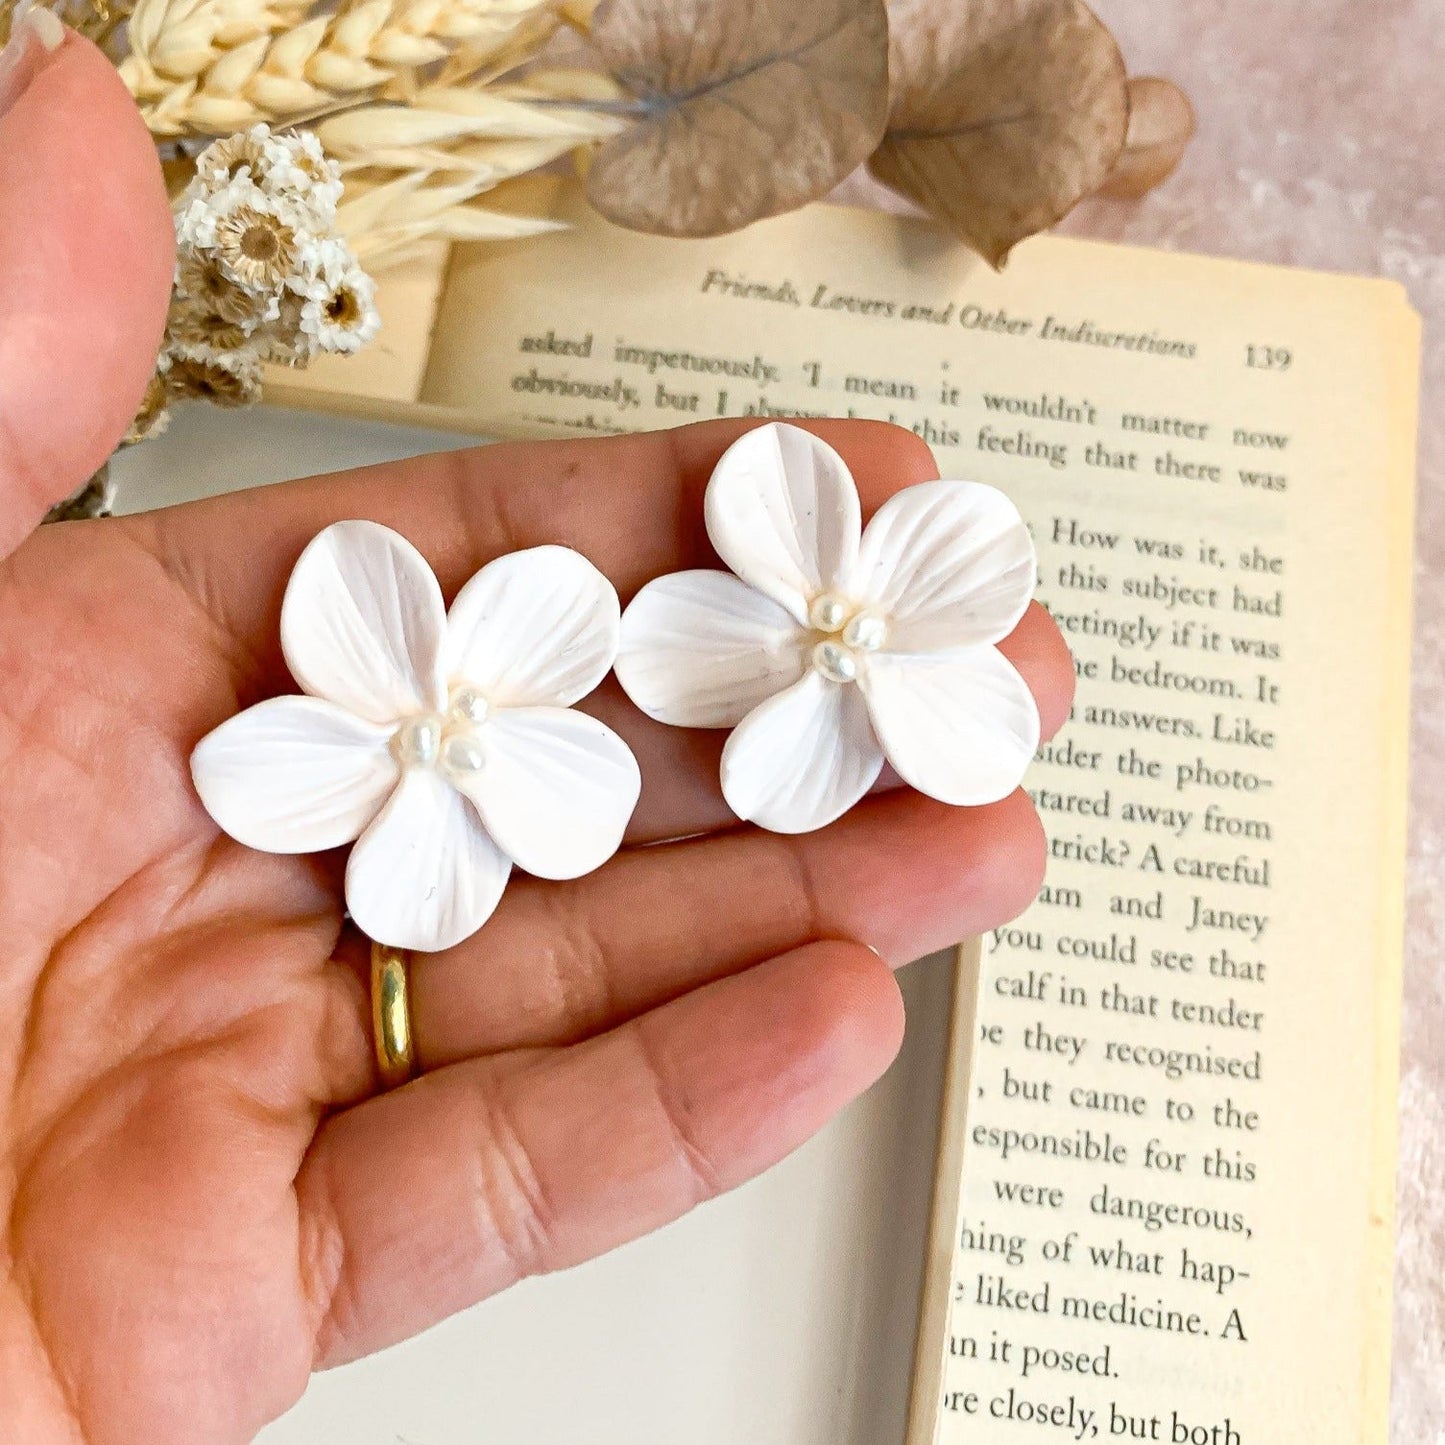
x=803, y=758
x=782, y=512
x=949, y=564
x=556, y=789
x=960, y=726
x=703, y=649
x=424, y=875
x=294, y=775
x=362, y=623
x=534, y=628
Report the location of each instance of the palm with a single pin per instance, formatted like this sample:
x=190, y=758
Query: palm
x=178, y=1025
x=203, y=1195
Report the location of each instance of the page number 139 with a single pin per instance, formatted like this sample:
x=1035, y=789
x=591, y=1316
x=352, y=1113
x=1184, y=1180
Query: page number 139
x=1268, y=358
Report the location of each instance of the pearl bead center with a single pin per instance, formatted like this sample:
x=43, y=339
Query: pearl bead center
x=462, y=754
x=836, y=662
x=467, y=705
x=828, y=612
x=848, y=633
x=417, y=741
x=865, y=632
x=451, y=742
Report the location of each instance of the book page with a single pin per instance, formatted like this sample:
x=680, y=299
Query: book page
x=1175, y=1213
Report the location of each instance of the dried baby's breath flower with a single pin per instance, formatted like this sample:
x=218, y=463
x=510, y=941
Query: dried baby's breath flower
x=153, y=417
x=261, y=275
x=296, y=166
x=259, y=218
x=286, y=327
x=199, y=374
x=291, y=171
x=223, y=162
x=345, y=318
x=195, y=326
x=203, y=285
x=256, y=248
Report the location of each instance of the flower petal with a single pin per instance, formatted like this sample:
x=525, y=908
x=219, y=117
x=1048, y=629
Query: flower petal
x=534, y=628
x=703, y=649
x=556, y=790
x=950, y=564
x=803, y=758
x=362, y=623
x=294, y=775
x=960, y=726
x=425, y=875
x=782, y=512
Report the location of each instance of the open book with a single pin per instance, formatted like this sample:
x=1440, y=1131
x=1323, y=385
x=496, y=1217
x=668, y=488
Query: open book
x=1163, y=1208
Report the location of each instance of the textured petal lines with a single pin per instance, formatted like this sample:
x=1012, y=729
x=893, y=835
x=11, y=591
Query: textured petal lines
x=362, y=623
x=534, y=628
x=782, y=512
x=943, y=571
x=803, y=758
x=556, y=791
x=702, y=649
x=950, y=564
x=294, y=775
x=960, y=726
x=424, y=875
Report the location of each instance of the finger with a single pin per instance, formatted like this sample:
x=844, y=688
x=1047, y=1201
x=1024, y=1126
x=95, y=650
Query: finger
x=426, y=1200
x=558, y=963
x=1037, y=648
x=85, y=276
x=682, y=793
x=632, y=504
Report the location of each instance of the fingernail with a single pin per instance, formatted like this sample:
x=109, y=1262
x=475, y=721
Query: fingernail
x=35, y=37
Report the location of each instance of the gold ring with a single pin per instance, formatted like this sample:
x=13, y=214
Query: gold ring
x=391, y=1015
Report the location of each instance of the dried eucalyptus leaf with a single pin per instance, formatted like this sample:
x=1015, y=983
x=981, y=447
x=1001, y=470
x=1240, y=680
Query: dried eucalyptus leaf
x=1161, y=125
x=1005, y=114
x=744, y=109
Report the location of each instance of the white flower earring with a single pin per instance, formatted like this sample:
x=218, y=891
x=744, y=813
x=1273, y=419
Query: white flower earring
x=829, y=649
x=443, y=742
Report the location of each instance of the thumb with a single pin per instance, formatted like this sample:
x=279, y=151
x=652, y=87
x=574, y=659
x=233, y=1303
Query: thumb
x=86, y=257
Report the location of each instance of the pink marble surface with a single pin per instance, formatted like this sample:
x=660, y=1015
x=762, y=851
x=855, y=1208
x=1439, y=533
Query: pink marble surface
x=1321, y=143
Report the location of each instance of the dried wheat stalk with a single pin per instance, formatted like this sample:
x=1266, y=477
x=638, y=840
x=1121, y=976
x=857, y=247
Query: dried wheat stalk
x=413, y=173
x=403, y=93
x=210, y=67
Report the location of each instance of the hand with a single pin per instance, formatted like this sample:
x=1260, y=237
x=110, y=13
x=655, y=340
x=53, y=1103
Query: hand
x=204, y=1195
